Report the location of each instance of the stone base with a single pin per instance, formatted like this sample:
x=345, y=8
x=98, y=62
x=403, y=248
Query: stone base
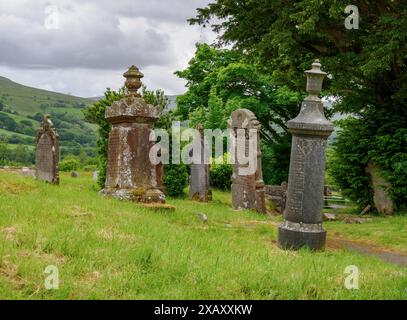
x=137, y=195
x=206, y=197
x=293, y=236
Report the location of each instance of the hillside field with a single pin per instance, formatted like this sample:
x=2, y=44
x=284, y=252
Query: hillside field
x=22, y=109
x=107, y=249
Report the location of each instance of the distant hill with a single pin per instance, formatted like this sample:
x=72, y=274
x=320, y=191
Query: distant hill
x=22, y=109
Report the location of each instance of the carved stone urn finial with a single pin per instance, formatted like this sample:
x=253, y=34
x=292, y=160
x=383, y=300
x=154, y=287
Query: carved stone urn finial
x=315, y=77
x=47, y=123
x=133, y=80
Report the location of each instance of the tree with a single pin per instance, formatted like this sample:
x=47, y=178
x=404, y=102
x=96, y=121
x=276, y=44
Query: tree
x=366, y=66
x=70, y=163
x=22, y=155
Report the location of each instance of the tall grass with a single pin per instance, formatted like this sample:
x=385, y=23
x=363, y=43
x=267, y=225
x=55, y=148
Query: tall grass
x=107, y=249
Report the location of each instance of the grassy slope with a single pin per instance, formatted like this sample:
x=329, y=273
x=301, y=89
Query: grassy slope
x=110, y=249
x=27, y=100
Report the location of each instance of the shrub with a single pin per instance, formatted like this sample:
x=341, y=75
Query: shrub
x=175, y=179
x=359, y=143
x=275, y=160
x=90, y=168
x=220, y=174
x=70, y=163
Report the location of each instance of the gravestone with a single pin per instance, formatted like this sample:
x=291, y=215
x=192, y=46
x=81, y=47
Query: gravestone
x=130, y=173
x=47, y=153
x=277, y=195
x=302, y=224
x=199, y=186
x=247, y=189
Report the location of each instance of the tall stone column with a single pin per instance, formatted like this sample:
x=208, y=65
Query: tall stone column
x=302, y=224
x=199, y=186
x=130, y=173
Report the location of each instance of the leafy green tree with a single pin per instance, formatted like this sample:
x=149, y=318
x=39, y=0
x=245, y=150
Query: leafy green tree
x=70, y=163
x=358, y=144
x=366, y=66
x=4, y=150
x=21, y=155
x=216, y=117
x=221, y=174
x=175, y=179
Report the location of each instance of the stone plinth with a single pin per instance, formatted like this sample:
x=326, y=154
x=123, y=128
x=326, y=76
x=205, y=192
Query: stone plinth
x=47, y=153
x=130, y=173
x=302, y=224
x=277, y=195
x=199, y=186
x=247, y=189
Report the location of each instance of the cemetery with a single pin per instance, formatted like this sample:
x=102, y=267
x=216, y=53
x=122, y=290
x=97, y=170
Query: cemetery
x=124, y=242
x=247, y=189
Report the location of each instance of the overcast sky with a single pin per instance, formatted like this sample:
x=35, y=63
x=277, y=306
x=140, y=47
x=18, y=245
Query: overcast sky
x=81, y=47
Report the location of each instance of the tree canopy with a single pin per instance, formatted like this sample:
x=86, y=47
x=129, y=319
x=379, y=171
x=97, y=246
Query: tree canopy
x=367, y=66
x=366, y=72
x=220, y=81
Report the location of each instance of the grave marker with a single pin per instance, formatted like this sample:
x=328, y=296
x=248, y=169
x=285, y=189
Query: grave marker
x=47, y=152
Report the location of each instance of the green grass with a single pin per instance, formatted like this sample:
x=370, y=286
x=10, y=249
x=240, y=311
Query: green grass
x=387, y=232
x=107, y=249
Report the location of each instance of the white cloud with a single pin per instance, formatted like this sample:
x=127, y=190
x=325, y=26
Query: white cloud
x=96, y=41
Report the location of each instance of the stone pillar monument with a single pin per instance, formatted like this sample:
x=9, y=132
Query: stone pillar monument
x=130, y=173
x=199, y=187
x=247, y=189
x=47, y=152
x=302, y=224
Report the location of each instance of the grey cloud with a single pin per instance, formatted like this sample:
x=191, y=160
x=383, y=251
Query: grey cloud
x=98, y=37
x=90, y=39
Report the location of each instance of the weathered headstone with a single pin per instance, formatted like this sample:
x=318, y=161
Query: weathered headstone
x=302, y=224
x=95, y=175
x=47, y=152
x=130, y=173
x=199, y=187
x=247, y=189
x=381, y=197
